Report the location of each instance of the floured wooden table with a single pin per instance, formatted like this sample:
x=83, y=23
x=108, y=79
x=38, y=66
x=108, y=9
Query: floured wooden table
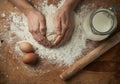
x=104, y=70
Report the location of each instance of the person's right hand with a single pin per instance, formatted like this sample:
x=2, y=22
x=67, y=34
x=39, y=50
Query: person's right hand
x=37, y=27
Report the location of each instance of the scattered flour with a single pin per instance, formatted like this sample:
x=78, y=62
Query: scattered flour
x=65, y=55
x=3, y=14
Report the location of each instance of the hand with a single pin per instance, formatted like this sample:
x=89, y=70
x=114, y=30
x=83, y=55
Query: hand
x=63, y=25
x=37, y=27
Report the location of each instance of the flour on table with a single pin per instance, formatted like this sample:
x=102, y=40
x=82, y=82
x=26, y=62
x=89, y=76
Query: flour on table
x=3, y=14
x=65, y=55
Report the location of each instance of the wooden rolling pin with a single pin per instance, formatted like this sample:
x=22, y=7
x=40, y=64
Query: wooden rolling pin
x=84, y=61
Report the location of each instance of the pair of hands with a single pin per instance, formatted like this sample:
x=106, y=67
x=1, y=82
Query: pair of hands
x=37, y=25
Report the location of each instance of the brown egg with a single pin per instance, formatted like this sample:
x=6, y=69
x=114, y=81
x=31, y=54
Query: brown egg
x=30, y=58
x=26, y=47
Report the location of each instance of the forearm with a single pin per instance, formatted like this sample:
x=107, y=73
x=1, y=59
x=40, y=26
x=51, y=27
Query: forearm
x=23, y=5
x=71, y=4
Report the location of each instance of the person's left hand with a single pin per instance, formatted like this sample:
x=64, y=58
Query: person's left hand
x=63, y=24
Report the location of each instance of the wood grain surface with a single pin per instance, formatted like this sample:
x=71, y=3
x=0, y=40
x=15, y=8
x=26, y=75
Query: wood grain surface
x=104, y=70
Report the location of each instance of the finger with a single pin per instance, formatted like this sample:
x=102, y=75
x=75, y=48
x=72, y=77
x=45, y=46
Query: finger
x=43, y=31
x=65, y=30
x=32, y=28
x=35, y=36
x=57, y=25
x=43, y=27
x=61, y=37
x=41, y=39
x=64, y=27
x=47, y=43
x=57, y=40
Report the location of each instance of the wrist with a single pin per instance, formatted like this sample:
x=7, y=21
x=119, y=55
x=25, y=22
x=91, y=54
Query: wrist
x=67, y=7
x=71, y=4
x=29, y=10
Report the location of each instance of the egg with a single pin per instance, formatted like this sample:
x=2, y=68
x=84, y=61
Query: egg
x=30, y=58
x=26, y=47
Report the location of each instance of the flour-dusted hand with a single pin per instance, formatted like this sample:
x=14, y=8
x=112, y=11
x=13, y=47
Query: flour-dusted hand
x=63, y=21
x=36, y=21
x=37, y=27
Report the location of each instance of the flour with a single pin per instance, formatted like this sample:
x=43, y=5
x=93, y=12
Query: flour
x=50, y=22
x=3, y=14
x=65, y=55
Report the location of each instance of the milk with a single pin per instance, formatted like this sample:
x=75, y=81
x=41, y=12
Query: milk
x=102, y=22
x=99, y=24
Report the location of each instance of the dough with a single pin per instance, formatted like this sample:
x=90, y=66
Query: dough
x=51, y=34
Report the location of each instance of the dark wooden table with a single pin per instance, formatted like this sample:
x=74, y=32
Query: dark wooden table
x=104, y=70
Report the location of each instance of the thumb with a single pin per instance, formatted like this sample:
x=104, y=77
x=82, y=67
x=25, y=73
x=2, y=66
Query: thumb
x=43, y=28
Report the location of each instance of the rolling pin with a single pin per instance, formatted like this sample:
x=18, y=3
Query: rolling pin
x=90, y=57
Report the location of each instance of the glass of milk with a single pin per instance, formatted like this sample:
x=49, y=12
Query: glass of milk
x=99, y=24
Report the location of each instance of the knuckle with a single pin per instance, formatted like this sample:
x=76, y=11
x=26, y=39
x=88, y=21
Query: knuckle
x=57, y=17
x=57, y=28
x=35, y=31
x=42, y=19
x=68, y=26
x=35, y=37
x=30, y=30
x=64, y=26
x=43, y=28
x=41, y=39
